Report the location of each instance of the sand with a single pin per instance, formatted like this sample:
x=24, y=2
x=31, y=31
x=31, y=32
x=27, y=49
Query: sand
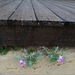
x=9, y=65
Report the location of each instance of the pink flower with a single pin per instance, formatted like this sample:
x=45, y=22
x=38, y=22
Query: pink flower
x=59, y=60
x=20, y=61
x=20, y=64
x=24, y=63
x=60, y=57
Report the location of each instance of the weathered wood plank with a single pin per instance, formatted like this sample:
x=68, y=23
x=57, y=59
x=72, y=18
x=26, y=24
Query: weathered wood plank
x=7, y=10
x=24, y=12
x=65, y=4
x=39, y=11
x=4, y=2
x=64, y=7
x=43, y=13
x=68, y=2
x=65, y=15
x=71, y=3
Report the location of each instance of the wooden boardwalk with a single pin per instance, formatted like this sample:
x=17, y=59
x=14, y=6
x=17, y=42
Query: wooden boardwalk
x=37, y=22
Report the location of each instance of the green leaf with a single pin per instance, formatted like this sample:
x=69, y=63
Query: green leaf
x=64, y=58
x=19, y=48
x=39, y=53
x=56, y=48
x=62, y=53
x=66, y=48
x=44, y=48
x=15, y=53
x=19, y=56
x=26, y=52
x=30, y=63
x=40, y=57
x=14, y=48
x=31, y=54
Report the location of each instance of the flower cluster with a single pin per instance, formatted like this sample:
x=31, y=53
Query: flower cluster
x=20, y=63
x=60, y=58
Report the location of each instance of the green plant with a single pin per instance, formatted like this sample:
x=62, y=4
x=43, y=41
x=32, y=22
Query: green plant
x=17, y=47
x=66, y=48
x=44, y=48
x=5, y=49
x=29, y=58
x=52, y=56
x=31, y=50
x=54, y=47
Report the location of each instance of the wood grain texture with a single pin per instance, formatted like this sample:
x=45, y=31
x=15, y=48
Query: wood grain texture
x=65, y=3
x=7, y=10
x=32, y=11
x=24, y=12
x=44, y=13
x=69, y=9
x=37, y=22
x=5, y=2
x=65, y=15
x=37, y=35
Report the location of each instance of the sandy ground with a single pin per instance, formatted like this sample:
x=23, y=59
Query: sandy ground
x=9, y=65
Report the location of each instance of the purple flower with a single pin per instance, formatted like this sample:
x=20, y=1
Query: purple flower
x=59, y=60
x=24, y=63
x=60, y=57
x=20, y=61
x=20, y=64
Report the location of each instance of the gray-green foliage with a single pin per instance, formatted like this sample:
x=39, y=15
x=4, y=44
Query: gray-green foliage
x=52, y=56
x=44, y=48
x=30, y=58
